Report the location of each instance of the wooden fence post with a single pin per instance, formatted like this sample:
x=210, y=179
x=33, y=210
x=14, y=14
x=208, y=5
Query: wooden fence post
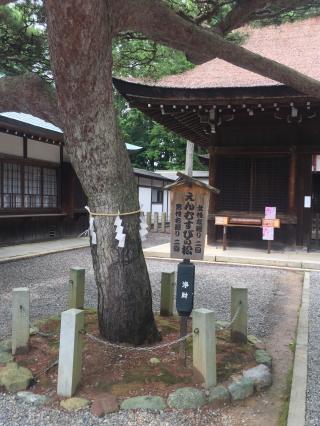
x=70, y=352
x=149, y=220
x=204, y=347
x=20, y=319
x=76, y=288
x=167, y=293
x=156, y=222
x=239, y=299
x=163, y=221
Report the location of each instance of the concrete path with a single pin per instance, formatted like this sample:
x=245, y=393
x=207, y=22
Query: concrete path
x=249, y=256
x=236, y=255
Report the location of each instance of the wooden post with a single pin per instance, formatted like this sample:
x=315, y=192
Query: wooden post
x=292, y=182
x=149, y=220
x=167, y=293
x=70, y=352
x=239, y=297
x=20, y=319
x=204, y=347
x=76, y=288
x=212, y=202
x=189, y=158
x=156, y=222
x=163, y=221
x=224, y=238
x=183, y=343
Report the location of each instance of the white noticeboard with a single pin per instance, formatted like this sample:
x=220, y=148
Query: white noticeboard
x=270, y=212
x=307, y=202
x=268, y=233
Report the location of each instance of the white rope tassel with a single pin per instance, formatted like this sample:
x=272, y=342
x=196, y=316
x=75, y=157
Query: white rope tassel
x=92, y=232
x=120, y=236
x=143, y=227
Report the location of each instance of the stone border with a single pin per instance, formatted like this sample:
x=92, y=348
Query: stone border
x=297, y=406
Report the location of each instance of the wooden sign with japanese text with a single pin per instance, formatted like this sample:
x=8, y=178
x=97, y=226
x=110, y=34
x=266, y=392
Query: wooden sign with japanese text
x=189, y=214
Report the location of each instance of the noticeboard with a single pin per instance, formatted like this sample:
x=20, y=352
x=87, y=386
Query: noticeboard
x=189, y=214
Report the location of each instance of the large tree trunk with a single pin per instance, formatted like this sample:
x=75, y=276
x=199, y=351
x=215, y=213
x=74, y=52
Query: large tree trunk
x=80, y=40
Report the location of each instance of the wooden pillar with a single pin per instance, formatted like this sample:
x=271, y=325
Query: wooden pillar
x=292, y=182
x=204, y=347
x=212, y=176
x=76, y=288
x=167, y=293
x=239, y=300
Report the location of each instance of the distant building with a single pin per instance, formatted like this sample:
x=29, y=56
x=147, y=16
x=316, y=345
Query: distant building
x=40, y=194
x=262, y=137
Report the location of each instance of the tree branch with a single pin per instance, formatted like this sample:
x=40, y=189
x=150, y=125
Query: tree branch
x=240, y=14
x=30, y=94
x=163, y=25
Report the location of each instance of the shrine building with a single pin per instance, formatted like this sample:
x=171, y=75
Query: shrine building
x=262, y=137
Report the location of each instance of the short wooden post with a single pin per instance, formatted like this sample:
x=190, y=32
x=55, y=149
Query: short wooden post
x=167, y=293
x=204, y=347
x=70, y=352
x=156, y=222
x=76, y=288
x=239, y=299
x=163, y=221
x=20, y=319
x=149, y=220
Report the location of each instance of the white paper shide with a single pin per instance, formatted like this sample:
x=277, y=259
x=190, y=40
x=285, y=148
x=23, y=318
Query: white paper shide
x=120, y=236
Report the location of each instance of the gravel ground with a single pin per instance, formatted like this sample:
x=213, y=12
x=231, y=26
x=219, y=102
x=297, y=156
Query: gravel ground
x=313, y=388
x=47, y=279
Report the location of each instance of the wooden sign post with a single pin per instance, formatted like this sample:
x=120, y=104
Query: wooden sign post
x=189, y=200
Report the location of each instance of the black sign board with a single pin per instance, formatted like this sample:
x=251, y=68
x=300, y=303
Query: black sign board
x=185, y=288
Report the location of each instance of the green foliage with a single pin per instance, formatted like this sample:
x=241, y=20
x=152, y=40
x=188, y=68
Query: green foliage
x=23, y=40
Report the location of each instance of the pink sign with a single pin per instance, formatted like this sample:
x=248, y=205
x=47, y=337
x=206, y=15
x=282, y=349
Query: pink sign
x=268, y=233
x=270, y=212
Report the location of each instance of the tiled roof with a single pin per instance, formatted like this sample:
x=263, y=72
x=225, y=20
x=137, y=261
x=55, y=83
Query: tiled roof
x=296, y=45
x=38, y=122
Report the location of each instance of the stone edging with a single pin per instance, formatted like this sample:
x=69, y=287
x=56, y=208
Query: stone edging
x=297, y=406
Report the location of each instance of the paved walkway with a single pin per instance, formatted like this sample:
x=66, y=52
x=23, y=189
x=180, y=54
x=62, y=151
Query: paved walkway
x=249, y=256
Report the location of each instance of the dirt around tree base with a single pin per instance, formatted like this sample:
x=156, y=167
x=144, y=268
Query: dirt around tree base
x=131, y=373
x=126, y=373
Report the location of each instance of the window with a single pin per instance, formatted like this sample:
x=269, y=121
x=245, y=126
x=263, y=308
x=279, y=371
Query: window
x=27, y=186
x=11, y=185
x=156, y=195
x=251, y=183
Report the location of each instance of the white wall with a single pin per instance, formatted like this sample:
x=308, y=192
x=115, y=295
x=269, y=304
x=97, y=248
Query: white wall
x=145, y=198
x=156, y=208
x=43, y=151
x=11, y=145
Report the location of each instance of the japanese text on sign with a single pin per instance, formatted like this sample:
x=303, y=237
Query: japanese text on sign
x=189, y=214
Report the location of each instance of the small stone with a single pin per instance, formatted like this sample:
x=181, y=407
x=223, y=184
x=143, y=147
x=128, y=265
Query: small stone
x=144, y=403
x=32, y=398
x=260, y=376
x=154, y=361
x=256, y=342
x=241, y=389
x=33, y=331
x=5, y=345
x=74, y=404
x=218, y=394
x=15, y=378
x=5, y=357
x=104, y=404
x=262, y=357
x=187, y=398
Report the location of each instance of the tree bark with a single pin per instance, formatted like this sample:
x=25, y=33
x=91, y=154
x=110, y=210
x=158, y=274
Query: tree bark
x=80, y=40
x=30, y=94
